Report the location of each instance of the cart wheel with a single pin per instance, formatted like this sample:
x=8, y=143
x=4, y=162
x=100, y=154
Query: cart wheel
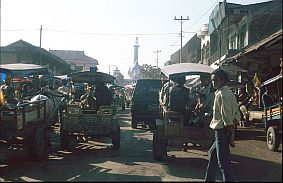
x=37, y=144
x=116, y=137
x=134, y=123
x=159, y=147
x=64, y=139
x=272, y=139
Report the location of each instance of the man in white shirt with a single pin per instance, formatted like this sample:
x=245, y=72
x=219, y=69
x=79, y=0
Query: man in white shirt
x=225, y=113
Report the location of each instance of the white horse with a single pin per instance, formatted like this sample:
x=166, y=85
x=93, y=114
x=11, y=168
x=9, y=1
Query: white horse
x=52, y=102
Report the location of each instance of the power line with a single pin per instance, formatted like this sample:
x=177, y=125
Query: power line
x=17, y=30
x=203, y=14
x=98, y=33
x=113, y=34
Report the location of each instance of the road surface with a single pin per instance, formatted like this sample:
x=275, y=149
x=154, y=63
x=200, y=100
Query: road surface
x=96, y=161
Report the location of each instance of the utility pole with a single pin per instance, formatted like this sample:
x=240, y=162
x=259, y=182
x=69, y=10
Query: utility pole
x=110, y=66
x=40, y=55
x=181, y=20
x=157, y=51
x=40, y=36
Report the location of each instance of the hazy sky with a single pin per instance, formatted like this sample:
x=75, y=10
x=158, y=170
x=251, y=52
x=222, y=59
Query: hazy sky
x=106, y=29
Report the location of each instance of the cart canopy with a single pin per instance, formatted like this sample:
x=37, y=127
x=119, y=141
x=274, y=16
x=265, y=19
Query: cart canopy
x=91, y=77
x=184, y=69
x=22, y=70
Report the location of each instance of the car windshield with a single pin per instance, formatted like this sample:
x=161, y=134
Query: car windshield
x=147, y=89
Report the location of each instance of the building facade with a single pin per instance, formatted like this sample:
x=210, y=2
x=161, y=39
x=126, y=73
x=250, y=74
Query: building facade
x=24, y=52
x=77, y=59
x=233, y=27
x=241, y=39
x=191, y=52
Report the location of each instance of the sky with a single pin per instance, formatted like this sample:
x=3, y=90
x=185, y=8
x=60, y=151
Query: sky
x=106, y=29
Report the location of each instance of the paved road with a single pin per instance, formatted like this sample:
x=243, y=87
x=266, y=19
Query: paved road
x=96, y=161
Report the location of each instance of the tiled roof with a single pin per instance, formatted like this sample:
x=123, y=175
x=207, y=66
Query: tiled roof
x=75, y=57
x=23, y=46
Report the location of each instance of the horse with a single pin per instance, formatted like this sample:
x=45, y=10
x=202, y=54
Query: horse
x=53, y=103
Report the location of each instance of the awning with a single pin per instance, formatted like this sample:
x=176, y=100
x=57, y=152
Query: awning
x=20, y=69
x=271, y=80
x=232, y=69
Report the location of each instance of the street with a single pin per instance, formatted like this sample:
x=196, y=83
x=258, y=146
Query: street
x=96, y=161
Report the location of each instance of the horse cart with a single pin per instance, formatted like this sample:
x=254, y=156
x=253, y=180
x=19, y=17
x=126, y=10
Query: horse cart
x=27, y=122
x=172, y=128
x=272, y=115
x=91, y=120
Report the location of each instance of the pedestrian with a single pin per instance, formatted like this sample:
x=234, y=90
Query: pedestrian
x=225, y=113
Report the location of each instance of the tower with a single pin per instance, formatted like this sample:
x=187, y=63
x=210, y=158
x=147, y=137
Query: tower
x=135, y=68
x=136, y=50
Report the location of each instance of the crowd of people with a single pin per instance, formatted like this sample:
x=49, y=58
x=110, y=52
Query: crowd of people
x=90, y=98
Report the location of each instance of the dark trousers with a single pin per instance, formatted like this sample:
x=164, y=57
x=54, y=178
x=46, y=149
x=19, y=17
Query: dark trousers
x=219, y=157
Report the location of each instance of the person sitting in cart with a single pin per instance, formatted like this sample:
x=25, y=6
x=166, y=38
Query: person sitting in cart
x=64, y=89
x=103, y=95
x=88, y=100
x=267, y=98
x=179, y=97
x=208, y=91
x=8, y=91
x=199, y=110
x=165, y=94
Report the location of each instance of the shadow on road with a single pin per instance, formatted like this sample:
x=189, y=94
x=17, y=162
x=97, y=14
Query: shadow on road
x=248, y=134
x=244, y=169
x=255, y=170
x=71, y=168
x=191, y=168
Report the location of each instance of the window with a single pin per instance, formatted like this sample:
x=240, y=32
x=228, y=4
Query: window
x=233, y=42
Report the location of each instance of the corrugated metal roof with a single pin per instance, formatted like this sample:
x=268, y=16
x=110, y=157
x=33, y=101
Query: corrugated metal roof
x=72, y=56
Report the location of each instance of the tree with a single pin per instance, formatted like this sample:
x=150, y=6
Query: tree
x=149, y=72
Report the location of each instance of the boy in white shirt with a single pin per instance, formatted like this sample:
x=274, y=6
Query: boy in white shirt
x=225, y=113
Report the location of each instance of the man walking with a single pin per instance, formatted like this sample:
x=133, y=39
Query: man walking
x=225, y=112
